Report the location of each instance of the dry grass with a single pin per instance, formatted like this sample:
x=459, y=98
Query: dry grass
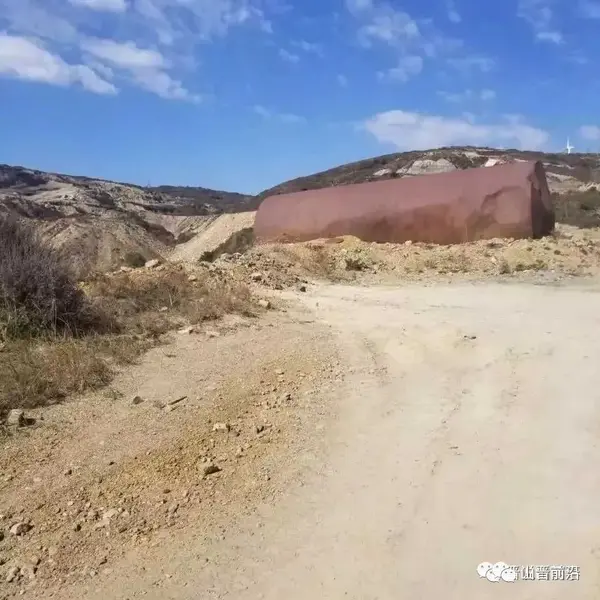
x=138, y=308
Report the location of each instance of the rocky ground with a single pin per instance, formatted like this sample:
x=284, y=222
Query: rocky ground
x=194, y=432
x=208, y=426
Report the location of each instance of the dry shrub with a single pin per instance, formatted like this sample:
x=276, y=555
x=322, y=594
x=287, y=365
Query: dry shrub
x=34, y=375
x=38, y=294
x=46, y=372
x=153, y=302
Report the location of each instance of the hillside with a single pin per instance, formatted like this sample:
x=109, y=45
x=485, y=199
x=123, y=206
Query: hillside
x=566, y=173
x=103, y=224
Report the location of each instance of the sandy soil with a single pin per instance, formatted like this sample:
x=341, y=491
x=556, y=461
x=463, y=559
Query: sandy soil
x=462, y=427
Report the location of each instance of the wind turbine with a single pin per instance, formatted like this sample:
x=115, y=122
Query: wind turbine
x=569, y=147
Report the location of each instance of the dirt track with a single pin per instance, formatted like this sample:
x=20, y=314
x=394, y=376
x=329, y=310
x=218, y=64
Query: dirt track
x=466, y=430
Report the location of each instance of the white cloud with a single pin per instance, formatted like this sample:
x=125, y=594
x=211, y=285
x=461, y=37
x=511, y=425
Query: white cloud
x=146, y=67
x=342, y=80
x=26, y=59
x=590, y=132
x=472, y=63
x=309, y=47
x=408, y=66
x=267, y=114
x=487, y=94
x=115, y=6
x=589, y=9
x=540, y=16
x=288, y=56
x=390, y=26
x=410, y=130
x=124, y=54
x=163, y=34
x=452, y=12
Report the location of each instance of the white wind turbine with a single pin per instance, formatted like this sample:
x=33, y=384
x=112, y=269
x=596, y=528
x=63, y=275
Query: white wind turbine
x=569, y=147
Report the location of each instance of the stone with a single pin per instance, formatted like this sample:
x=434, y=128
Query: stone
x=302, y=288
x=186, y=331
x=256, y=276
x=137, y=400
x=408, y=243
x=211, y=333
x=163, y=309
x=12, y=574
x=260, y=428
x=223, y=427
x=192, y=278
x=16, y=418
x=264, y=304
x=152, y=263
x=173, y=508
x=29, y=572
x=211, y=469
x=20, y=528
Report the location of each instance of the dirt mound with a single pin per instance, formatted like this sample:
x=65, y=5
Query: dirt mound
x=568, y=252
x=221, y=234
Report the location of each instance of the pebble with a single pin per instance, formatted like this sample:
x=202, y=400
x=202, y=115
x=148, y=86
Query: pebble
x=264, y=304
x=16, y=418
x=211, y=469
x=152, y=263
x=20, y=528
x=137, y=400
x=256, y=276
x=223, y=427
x=12, y=574
x=186, y=331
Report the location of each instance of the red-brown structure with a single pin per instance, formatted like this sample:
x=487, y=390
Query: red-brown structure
x=510, y=200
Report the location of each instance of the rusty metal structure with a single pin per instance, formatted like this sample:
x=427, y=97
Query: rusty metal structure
x=509, y=200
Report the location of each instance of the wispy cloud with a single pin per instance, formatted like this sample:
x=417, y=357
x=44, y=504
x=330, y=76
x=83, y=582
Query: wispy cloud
x=412, y=131
x=590, y=132
x=407, y=67
x=115, y=6
x=342, y=80
x=484, y=95
x=452, y=12
x=472, y=63
x=146, y=67
x=271, y=115
x=540, y=16
x=589, y=9
x=288, y=56
x=308, y=47
x=27, y=60
x=156, y=42
x=383, y=24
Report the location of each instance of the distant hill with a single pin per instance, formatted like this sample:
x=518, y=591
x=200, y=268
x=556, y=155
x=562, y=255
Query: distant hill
x=103, y=224
x=566, y=173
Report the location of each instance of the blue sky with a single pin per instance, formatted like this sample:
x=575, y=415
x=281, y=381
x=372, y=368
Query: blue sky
x=243, y=94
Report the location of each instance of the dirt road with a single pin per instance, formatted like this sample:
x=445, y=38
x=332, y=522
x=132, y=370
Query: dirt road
x=467, y=430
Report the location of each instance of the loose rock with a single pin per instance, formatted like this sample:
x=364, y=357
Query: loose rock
x=186, y=331
x=20, y=528
x=12, y=574
x=256, y=276
x=211, y=469
x=264, y=304
x=16, y=418
x=224, y=427
x=137, y=400
x=152, y=263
